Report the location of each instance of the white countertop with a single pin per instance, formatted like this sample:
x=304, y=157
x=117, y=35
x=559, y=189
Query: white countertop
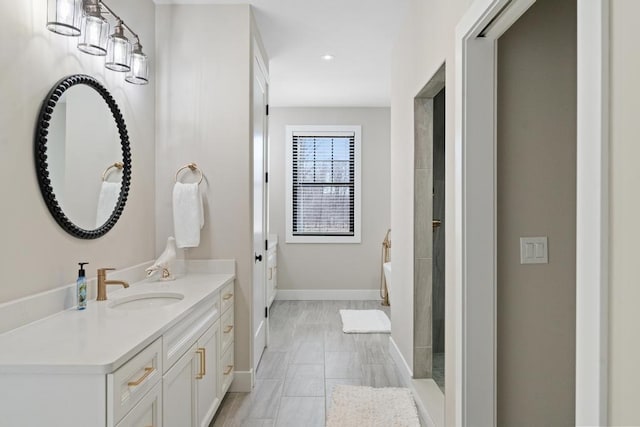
x=100, y=339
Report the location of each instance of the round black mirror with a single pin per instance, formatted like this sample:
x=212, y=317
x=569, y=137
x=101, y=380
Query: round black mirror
x=83, y=160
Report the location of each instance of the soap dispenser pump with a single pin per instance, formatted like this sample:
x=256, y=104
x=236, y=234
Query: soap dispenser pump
x=82, y=287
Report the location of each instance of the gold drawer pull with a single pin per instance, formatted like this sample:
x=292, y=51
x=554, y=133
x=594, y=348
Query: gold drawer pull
x=147, y=372
x=203, y=364
x=228, y=329
x=227, y=297
x=228, y=370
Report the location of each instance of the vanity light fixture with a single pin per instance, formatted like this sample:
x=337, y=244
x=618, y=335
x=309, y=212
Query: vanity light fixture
x=86, y=19
x=64, y=17
x=95, y=29
x=139, y=72
x=118, y=50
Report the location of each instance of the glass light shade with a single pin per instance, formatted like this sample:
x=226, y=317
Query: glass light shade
x=139, y=73
x=93, y=40
x=118, y=53
x=63, y=17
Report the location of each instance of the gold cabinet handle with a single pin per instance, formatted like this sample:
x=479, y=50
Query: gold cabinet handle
x=436, y=223
x=227, y=297
x=203, y=363
x=147, y=372
x=228, y=329
x=228, y=370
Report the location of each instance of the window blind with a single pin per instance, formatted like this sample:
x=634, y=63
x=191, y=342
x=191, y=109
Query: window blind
x=323, y=184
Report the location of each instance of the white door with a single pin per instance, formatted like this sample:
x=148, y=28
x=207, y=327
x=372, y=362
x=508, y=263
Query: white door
x=260, y=325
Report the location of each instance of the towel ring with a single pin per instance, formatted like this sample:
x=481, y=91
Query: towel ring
x=117, y=165
x=193, y=168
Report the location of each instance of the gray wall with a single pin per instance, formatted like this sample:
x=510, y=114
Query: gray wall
x=38, y=255
x=333, y=266
x=624, y=293
x=537, y=197
x=204, y=116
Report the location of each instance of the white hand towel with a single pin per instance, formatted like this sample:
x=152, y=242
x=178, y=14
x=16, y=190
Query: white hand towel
x=188, y=214
x=107, y=200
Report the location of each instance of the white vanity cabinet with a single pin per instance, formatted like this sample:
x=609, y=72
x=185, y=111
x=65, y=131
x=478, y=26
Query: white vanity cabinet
x=171, y=369
x=191, y=384
x=226, y=366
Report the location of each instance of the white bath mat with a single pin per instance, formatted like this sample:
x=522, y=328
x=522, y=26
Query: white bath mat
x=365, y=322
x=359, y=406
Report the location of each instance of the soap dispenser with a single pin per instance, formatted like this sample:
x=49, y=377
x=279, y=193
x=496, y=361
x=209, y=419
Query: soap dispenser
x=82, y=287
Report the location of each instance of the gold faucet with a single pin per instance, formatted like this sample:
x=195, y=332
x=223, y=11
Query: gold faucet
x=103, y=282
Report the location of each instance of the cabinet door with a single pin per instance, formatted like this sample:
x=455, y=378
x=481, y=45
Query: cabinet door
x=179, y=391
x=207, y=378
x=147, y=413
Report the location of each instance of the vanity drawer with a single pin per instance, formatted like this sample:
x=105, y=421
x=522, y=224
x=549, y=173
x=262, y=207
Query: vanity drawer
x=147, y=413
x=178, y=339
x=227, y=369
x=127, y=385
x=227, y=330
x=226, y=297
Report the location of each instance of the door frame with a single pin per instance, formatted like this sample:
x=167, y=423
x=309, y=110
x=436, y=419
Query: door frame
x=475, y=210
x=258, y=65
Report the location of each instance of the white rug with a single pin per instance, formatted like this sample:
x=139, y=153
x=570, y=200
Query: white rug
x=372, y=407
x=365, y=322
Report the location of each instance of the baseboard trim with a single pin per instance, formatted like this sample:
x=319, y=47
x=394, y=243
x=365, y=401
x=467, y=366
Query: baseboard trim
x=403, y=367
x=327, y=294
x=242, y=382
x=429, y=399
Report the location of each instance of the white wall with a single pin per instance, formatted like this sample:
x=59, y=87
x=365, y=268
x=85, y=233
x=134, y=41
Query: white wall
x=333, y=266
x=204, y=116
x=38, y=255
x=624, y=292
x=425, y=43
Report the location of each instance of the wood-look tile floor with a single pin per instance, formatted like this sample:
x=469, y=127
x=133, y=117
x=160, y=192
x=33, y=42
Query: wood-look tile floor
x=308, y=354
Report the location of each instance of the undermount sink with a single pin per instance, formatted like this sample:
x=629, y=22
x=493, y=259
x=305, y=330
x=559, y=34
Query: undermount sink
x=148, y=300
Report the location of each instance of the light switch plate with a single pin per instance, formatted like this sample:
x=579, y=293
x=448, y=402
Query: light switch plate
x=534, y=250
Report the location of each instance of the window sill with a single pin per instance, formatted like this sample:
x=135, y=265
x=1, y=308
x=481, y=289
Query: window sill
x=323, y=239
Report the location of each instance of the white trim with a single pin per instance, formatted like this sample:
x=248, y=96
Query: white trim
x=592, y=222
x=243, y=382
x=428, y=396
x=327, y=294
x=403, y=367
x=475, y=208
x=328, y=129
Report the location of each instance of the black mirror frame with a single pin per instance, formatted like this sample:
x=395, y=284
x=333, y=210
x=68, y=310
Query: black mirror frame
x=42, y=167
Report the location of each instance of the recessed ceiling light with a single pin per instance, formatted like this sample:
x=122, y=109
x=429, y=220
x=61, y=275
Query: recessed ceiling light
x=327, y=57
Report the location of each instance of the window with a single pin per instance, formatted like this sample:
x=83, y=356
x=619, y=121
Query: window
x=323, y=184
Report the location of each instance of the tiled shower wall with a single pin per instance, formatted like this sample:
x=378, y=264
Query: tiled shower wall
x=423, y=250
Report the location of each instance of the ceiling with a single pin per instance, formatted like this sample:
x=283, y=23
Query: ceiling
x=297, y=33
